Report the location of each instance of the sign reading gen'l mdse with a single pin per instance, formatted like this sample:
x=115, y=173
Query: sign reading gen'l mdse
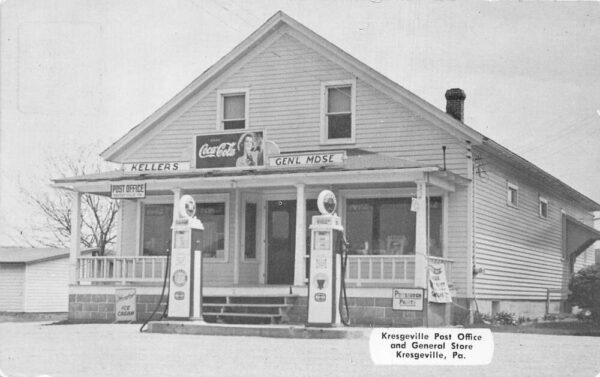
x=230, y=150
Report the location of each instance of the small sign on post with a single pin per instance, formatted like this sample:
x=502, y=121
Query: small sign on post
x=407, y=299
x=125, y=304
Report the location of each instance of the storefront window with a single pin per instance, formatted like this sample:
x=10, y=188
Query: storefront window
x=387, y=226
x=212, y=242
x=157, y=229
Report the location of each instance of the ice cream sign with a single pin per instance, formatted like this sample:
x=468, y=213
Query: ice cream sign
x=308, y=159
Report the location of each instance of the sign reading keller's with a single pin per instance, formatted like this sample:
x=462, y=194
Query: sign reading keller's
x=229, y=150
x=156, y=167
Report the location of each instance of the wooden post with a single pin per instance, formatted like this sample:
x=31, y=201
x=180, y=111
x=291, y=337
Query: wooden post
x=421, y=236
x=238, y=232
x=75, y=249
x=299, y=261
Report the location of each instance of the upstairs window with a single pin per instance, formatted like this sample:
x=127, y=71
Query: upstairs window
x=338, y=112
x=543, y=208
x=233, y=110
x=512, y=194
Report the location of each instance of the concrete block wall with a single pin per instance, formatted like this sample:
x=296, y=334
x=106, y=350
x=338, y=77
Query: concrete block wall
x=91, y=308
x=364, y=311
x=369, y=311
x=101, y=307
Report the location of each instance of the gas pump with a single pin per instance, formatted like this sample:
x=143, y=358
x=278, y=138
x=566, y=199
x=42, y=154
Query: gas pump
x=185, y=284
x=326, y=273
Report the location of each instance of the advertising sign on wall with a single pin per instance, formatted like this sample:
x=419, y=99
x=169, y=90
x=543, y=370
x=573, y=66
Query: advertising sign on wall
x=230, y=150
x=125, y=304
x=407, y=299
x=438, y=285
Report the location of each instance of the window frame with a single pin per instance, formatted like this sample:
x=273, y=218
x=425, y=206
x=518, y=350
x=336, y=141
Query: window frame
x=202, y=198
x=325, y=86
x=396, y=193
x=221, y=94
x=543, y=201
x=512, y=187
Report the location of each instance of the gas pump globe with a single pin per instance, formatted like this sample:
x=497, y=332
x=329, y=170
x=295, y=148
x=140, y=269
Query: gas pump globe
x=185, y=285
x=324, y=280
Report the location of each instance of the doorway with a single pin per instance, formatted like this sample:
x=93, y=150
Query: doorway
x=281, y=241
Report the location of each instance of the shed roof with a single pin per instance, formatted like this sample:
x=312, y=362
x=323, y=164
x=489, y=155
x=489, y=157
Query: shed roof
x=30, y=255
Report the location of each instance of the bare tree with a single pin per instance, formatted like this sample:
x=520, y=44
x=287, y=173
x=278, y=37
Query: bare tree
x=52, y=207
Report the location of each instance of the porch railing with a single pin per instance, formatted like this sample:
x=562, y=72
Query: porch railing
x=122, y=269
x=362, y=270
x=373, y=270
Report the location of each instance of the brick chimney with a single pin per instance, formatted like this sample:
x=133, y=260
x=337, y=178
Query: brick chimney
x=455, y=103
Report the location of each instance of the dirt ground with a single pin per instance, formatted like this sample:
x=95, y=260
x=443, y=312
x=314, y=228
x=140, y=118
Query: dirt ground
x=29, y=349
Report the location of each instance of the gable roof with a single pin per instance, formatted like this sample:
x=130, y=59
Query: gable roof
x=361, y=70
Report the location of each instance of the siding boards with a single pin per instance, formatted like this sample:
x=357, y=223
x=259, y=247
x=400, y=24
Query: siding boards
x=520, y=251
x=284, y=84
x=457, y=238
x=47, y=286
x=12, y=283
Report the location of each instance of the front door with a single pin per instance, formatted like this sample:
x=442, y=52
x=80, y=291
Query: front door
x=281, y=241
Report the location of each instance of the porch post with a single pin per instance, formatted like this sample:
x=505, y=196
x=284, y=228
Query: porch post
x=300, y=261
x=238, y=231
x=75, y=249
x=421, y=236
x=176, y=197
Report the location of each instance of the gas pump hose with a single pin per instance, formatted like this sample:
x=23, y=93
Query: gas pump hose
x=343, y=305
x=162, y=295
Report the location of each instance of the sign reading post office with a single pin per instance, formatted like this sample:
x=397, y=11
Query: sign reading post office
x=128, y=191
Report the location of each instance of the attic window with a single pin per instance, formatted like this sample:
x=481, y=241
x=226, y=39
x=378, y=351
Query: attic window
x=337, y=122
x=233, y=109
x=512, y=194
x=543, y=208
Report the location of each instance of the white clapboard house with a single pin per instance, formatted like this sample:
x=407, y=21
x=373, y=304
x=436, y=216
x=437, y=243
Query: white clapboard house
x=281, y=117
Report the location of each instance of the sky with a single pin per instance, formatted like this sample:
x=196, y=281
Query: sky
x=82, y=73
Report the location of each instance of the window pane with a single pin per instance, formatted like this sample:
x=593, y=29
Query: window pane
x=250, y=236
x=212, y=216
x=543, y=209
x=339, y=100
x=234, y=107
x=234, y=124
x=513, y=196
x=157, y=229
x=435, y=227
x=388, y=226
x=340, y=126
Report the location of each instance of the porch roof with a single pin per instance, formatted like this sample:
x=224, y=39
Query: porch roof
x=360, y=166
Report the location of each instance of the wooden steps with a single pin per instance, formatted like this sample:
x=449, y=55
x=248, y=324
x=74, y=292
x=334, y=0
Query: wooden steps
x=246, y=309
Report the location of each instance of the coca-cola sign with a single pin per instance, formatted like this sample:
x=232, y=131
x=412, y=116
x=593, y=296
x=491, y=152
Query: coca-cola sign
x=229, y=150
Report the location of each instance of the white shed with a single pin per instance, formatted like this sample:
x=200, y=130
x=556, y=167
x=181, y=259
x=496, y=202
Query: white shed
x=34, y=280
